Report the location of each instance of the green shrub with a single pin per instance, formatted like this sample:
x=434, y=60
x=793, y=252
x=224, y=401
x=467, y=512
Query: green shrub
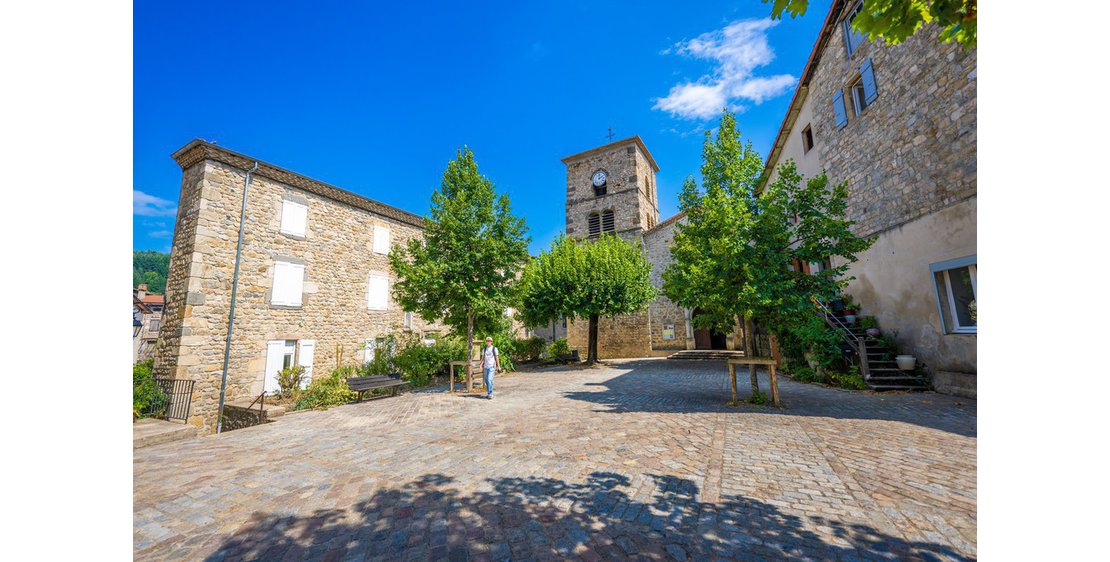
x=384, y=351
x=528, y=349
x=329, y=391
x=868, y=322
x=559, y=350
x=289, y=380
x=852, y=380
x=758, y=398
x=418, y=363
x=146, y=394
x=806, y=374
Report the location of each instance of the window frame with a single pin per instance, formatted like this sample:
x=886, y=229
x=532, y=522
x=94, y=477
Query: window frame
x=859, y=95
x=369, y=285
x=285, y=226
x=280, y=265
x=849, y=33
x=381, y=232
x=807, y=138
x=944, y=268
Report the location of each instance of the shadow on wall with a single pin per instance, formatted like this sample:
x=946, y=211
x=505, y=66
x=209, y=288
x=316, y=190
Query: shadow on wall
x=702, y=386
x=539, y=518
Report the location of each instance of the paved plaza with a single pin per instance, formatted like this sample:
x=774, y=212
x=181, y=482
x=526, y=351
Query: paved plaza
x=638, y=460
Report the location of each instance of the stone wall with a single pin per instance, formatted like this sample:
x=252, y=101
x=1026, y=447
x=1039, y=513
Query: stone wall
x=657, y=247
x=630, y=189
x=913, y=150
x=617, y=337
x=337, y=251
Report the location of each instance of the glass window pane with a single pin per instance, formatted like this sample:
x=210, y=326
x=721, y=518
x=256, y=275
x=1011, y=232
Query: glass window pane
x=963, y=294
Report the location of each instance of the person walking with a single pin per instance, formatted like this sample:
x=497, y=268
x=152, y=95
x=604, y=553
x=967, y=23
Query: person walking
x=491, y=363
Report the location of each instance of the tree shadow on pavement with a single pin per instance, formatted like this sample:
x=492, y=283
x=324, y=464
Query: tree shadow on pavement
x=675, y=386
x=547, y=519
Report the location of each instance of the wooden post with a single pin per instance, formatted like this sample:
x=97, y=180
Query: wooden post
x=732, y=376
x=451, y=377
x=774, y=384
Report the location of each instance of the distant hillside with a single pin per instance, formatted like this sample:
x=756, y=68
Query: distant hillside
x=150, y=267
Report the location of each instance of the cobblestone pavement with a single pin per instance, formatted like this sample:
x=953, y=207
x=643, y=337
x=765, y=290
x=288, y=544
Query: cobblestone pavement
x=640, y=460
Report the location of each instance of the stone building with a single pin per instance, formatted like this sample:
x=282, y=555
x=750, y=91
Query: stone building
x=898, y=124
x=611, y=189
x=314, y=279
x=146, y=322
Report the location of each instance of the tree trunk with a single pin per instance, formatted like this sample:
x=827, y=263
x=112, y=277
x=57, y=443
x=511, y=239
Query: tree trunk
x=469, y=351
x=749, y=351
x=591, y=353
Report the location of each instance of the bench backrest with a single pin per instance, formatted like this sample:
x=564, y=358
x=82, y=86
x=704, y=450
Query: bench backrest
x=354, y=382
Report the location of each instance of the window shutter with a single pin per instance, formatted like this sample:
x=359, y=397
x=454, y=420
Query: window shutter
x=381, y=239
x=607, y=221
x=377, y=294
x=839, y=109
x=294, y=218
x=275, y=352
x=867, y=74
x=288, y=284
x=304, y=359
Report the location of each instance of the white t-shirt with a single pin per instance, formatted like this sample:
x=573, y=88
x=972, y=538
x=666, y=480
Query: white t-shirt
x=489, y=357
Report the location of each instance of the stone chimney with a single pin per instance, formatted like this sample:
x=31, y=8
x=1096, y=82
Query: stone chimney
x=140, y=292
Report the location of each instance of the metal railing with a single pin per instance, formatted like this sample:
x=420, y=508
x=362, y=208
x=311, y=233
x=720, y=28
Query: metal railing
x=174, y=401
x=859, y=345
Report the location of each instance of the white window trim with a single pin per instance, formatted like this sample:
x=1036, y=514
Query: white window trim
x=945, y=267
x=299, y=276
x=369, y=296
x=285, y=226
x=381, y=239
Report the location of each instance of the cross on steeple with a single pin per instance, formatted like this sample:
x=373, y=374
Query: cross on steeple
x=610, y=134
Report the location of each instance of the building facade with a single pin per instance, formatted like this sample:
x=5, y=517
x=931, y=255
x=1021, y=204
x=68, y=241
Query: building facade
x=146, y=323
x=313, y=286
x=611, y=189
x=898, y=123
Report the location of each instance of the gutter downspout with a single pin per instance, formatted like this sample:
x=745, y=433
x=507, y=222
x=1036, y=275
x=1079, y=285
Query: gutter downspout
x=234, y=291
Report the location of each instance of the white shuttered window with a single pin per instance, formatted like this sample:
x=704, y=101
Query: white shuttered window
x=381, y=239
x=288, y=284
x=377, y=293
x=294, y=217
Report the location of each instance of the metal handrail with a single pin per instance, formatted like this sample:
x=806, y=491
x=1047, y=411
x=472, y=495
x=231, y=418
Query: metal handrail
x=261, y=404
x=834, y=322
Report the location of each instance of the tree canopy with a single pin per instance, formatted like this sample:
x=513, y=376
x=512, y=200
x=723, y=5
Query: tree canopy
x=896, y=20
x=734, y=255
x=606, y=277
x=472, y=249
x=152, y=268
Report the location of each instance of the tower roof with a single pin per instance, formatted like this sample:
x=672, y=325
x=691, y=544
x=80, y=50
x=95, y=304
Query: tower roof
x=634, y=139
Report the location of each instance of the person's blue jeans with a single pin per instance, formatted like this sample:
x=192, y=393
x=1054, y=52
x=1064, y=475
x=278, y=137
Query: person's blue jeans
x=488, y=372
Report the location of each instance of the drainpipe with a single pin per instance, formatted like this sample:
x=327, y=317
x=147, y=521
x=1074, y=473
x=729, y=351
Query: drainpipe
x=234, y=291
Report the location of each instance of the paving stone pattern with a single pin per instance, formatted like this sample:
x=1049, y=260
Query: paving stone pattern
x=638, y=460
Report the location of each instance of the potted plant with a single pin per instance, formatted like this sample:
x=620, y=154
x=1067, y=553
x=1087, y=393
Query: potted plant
x=906, y=362
x=850, y=315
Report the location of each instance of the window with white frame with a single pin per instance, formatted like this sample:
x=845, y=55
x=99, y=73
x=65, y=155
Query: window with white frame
x=294, y=218
x=956, y=287
x=377, y=292
x=381, y=239
x=288, y=284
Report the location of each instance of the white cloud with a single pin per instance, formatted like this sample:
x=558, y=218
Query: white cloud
x=738, y=50
x=160, y=234
x=147, y=205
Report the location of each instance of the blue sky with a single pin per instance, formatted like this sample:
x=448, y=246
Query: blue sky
x=376, y=98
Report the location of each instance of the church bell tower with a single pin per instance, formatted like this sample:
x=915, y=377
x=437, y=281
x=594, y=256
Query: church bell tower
x=611, y=188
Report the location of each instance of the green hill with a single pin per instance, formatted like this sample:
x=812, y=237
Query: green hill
x=150, y=267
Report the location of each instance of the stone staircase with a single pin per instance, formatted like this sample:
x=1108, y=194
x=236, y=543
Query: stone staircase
x=705, y=355
x=875, y=357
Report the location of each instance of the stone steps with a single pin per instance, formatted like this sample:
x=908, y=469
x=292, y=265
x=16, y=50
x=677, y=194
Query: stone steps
x=150, y=431
x=705, y=355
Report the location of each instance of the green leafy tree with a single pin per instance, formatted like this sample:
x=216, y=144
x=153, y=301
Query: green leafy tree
x=472, y=250
x=733, y=257
x=150, y=267
x=896, y=20
x=606, y=277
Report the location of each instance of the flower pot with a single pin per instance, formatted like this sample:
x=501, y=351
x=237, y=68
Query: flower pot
x=906, y=362
x=873, y=332
x=850, y=318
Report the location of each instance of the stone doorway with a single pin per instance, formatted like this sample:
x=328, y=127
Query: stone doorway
x=706, y=338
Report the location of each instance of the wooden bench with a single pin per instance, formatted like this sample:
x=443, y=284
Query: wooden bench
x=771, y=364
x=365, y=384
